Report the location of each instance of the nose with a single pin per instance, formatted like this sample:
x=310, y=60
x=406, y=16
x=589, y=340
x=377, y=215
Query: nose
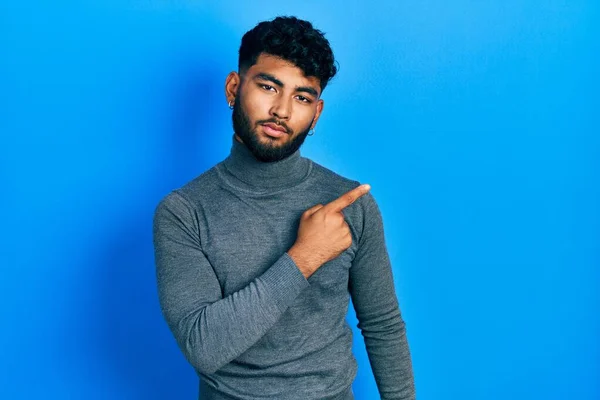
x=281, y=109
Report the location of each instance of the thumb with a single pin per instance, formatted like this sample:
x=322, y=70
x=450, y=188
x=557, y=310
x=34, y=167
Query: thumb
x=312, y=210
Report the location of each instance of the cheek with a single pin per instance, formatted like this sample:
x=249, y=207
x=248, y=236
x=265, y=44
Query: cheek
x=257, y=108
x=304, y=117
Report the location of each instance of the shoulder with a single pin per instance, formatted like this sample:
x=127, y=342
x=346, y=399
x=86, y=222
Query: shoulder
x=323, y=173
x=201, y=186
x=338, y=184
x=183, y=203
x=332, y=182
x=192, y=192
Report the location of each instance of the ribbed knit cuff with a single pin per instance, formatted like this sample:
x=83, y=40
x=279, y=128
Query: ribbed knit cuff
x=284, y=281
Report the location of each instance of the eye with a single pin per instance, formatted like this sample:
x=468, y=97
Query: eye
x=266, y=87
x=303, y=99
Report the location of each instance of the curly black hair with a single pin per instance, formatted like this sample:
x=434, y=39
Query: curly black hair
x=294, y=40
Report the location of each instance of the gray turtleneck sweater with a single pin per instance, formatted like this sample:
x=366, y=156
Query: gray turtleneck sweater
x=244, y=316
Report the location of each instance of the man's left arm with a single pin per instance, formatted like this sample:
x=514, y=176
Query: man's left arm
x=371, y=286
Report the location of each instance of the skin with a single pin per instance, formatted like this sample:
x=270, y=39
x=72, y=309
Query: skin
x=323, y=233
x=273, y=90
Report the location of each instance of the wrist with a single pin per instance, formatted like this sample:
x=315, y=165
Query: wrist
x=302, y=260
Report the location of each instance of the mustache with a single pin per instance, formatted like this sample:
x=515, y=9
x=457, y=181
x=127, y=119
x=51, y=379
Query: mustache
x=274, y=121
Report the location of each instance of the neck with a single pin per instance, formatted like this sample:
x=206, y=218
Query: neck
x=242, y=164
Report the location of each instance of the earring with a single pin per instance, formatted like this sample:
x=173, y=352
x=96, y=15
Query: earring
x=230, y=104
x=313, y=132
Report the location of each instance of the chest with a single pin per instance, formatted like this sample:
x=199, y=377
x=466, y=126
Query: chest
x=243, y=238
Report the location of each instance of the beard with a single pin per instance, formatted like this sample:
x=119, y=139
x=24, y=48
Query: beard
x=265, y=152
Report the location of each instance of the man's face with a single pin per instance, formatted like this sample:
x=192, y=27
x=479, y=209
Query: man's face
x=275, y=107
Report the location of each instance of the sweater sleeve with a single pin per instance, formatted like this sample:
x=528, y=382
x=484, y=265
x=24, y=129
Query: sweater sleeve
x=374, y=299
x=211, y=330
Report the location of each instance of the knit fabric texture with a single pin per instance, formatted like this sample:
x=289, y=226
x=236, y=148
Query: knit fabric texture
x=242, y=313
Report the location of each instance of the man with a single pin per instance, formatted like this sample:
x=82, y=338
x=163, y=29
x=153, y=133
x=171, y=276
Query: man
x=257, y=258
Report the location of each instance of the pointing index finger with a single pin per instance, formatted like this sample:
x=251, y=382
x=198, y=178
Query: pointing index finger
x=347, y=198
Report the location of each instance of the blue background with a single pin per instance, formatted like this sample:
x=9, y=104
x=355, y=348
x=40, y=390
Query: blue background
x=473, y=121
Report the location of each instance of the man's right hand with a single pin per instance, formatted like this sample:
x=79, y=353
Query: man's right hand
x=323, y=233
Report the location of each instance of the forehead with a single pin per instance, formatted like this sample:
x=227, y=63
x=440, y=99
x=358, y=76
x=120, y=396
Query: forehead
x=283, y=70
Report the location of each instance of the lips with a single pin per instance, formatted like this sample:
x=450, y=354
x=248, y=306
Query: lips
x=275, y=127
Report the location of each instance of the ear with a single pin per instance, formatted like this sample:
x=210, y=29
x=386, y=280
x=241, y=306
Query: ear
x=232, y=84
x=320, y=105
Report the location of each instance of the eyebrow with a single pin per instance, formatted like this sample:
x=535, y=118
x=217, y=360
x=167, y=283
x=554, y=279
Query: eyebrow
x=268, y=77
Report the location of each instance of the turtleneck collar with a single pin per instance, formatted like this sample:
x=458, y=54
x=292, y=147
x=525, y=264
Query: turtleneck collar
x=257, y=174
